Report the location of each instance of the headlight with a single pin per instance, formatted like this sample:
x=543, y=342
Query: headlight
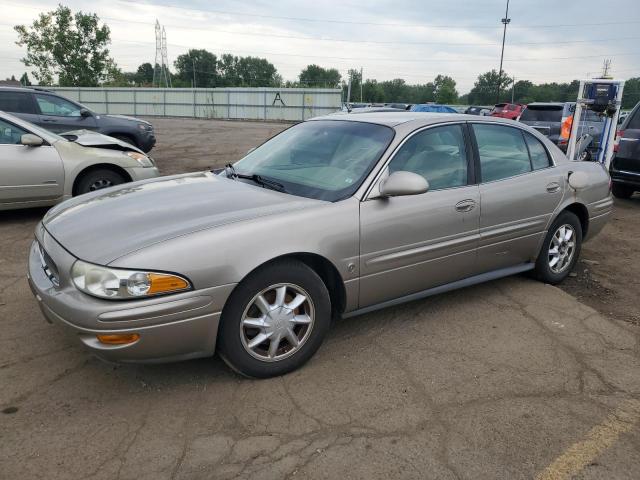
x=121, y=284
x=143, y=160
x=145, y=127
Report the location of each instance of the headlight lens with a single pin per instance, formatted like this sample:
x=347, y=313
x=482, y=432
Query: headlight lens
x=144, y=126
x=143, y=160
x=119, y=284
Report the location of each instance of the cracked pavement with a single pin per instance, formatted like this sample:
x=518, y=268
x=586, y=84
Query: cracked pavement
x=493, y=381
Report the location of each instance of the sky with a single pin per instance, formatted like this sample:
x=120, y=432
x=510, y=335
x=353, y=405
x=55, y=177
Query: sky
x=547, y=40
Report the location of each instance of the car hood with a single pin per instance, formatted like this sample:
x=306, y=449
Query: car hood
x=88, y=138
x=125, y=118
x=102, y=226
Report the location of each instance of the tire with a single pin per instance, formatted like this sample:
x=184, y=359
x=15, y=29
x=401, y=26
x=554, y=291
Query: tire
x=235, y=337
x=125, y=139
x=621, y=191
x=544, y=271
x=98, y=179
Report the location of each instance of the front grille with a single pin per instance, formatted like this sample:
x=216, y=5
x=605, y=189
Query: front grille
x=49, y=266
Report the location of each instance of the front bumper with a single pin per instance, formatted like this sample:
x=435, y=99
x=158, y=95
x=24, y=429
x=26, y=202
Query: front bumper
x=147, y=141
x=171, y=328
x=625, y=177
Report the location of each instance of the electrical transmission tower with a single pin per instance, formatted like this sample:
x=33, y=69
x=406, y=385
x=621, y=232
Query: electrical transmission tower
x=161, y=75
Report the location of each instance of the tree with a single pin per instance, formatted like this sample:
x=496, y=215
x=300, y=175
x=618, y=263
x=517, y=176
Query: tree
x=631, y=93
x=316, y=76
x=24, y=80
x=485, y=88
x=205, y=65
x=444, y=88
x=72, y=47
x=256, y=72
x=144, y=74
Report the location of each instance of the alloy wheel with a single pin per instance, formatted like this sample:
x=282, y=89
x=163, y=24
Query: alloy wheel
x=100, y=184
x=562, y=248
x=277, y=322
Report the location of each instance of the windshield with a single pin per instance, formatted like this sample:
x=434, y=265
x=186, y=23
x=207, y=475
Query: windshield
x=324, y=159
x=542, y=114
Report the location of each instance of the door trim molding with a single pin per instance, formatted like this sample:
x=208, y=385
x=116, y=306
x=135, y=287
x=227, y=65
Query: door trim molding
x=466, y=282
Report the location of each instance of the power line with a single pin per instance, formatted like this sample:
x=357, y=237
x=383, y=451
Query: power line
x=380, y=24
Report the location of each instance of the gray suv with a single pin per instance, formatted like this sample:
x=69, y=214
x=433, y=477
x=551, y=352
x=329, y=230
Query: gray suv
x=59, y=114
x=548, y=117
x=625, y=166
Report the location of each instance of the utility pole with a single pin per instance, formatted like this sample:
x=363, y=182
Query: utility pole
x=513, y=88
x=361, y=80
x=505, y=21
x=605, y=68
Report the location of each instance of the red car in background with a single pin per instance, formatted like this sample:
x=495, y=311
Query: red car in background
x=508, y=110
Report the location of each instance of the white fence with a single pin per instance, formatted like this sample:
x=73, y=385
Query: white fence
x=292, y=104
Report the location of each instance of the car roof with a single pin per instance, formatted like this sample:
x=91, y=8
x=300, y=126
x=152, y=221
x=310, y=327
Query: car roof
x=24, y=89
x=393, y=119
x=548, y=104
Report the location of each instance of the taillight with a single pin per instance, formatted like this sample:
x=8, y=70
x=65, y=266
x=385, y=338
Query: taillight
x=616, y=142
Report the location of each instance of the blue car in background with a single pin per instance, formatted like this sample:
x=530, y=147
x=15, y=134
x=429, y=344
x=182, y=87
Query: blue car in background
x=432, y=107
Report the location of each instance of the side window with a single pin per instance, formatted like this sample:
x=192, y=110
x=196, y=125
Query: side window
x=503, y=153
x=51, y=105
x=10, y=134
x=438, y=154
x=16, y=102
x=537, y=152
x=634, y=122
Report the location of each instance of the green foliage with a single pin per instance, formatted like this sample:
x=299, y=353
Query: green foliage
x=488, y=87
x=631, y=94
x=144, y=74
x=24, y=80
x=316, y=76
x=444, y=89
x=197, y=66
x=71, y=47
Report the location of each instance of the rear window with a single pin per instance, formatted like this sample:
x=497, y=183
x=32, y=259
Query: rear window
x=16, y=102
x=542, y=114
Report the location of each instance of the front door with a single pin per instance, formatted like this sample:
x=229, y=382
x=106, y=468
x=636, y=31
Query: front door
x=412, y=243
x=27, y=174
x=520, y=189
x=60, y=115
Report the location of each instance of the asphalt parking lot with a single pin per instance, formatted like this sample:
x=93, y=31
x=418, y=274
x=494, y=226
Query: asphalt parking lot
x=512, y=379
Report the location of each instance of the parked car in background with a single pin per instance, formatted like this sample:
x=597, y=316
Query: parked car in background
x=400, y=106
x=58, y=114
x=336, y=216
x=40, y=168
x=477, y=110
x=625, y=165
x=507, y=110
x=549, y=117
x=432, y=108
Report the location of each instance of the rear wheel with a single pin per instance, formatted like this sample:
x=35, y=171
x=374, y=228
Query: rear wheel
x=275, y=320
x=560, y=250
x=621, y=191
x=99, y=179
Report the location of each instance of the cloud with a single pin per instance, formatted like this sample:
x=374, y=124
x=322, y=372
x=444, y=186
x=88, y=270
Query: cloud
x=414, y=40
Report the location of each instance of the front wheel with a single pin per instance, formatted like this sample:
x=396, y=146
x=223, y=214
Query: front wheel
x=560, y=249
x=99, y=179
x=275, y=320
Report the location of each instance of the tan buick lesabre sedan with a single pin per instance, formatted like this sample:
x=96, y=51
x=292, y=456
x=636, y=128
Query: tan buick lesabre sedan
x=333, y=217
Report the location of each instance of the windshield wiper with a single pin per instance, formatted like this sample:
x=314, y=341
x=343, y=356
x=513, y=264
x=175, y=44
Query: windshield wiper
x=260, y=180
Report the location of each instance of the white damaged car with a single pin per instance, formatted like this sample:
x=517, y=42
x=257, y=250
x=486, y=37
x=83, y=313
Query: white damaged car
x=39, y=168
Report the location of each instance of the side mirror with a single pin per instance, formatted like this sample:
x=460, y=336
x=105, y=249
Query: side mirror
x=402, y=183
x=84, y=112
x=578, y=180
x=31, y=140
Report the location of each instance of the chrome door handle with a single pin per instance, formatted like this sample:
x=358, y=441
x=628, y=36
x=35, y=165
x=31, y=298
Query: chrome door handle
x=465, y=206
x=553, y=187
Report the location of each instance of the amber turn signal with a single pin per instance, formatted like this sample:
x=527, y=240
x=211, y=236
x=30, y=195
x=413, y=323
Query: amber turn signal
x=161, y=283
x=118, y=339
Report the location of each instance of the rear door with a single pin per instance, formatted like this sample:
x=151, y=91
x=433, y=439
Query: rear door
x=519, y=191
x=412, y=243
x=60, y=115
x=20, y=104
x=29, y=174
